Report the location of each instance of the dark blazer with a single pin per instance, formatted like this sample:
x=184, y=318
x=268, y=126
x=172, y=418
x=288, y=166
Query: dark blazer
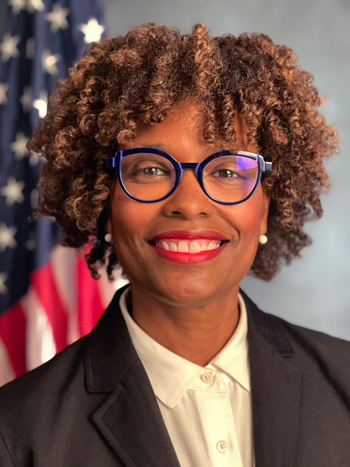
x=93, y=405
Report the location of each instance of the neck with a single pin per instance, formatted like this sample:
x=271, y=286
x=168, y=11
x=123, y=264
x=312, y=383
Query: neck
x=196, y=333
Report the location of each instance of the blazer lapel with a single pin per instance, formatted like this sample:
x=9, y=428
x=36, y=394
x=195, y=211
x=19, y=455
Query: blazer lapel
x=276, y=391
x=129, y=419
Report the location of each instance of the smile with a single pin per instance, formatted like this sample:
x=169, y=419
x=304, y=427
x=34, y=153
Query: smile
x=188, y=246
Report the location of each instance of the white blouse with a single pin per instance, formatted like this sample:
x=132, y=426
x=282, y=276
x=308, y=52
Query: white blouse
x=207, y=410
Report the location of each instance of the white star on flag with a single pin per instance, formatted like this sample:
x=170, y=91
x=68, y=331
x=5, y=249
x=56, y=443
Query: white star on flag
x=3, y=279
x=7, y=235
x=17, y=6
x=49, y=62
x=92, y=30
x=35, y=5
x=26, y=99
x=30, y=48
x=41, y=104
x=3, y=91
x=35, y=158
x=8, y=47
x=13, y=191
x=19, y=146
x=58, y=17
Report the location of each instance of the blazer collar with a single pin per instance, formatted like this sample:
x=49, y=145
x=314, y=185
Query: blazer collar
x=277, y=387
x=129, y=419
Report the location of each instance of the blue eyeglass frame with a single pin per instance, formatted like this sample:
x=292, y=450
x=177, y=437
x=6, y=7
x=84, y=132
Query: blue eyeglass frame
x=179, y=167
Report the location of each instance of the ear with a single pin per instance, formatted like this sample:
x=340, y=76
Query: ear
x=264, y=213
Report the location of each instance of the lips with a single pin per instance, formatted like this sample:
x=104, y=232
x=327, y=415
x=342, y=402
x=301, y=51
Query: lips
x=188, y=247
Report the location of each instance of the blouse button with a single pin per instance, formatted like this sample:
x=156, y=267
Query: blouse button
x=222, y=446
x=207, y=377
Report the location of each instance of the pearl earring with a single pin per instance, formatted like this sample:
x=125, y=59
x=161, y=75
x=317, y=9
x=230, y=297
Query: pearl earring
x=108, y=238
x=262, y=239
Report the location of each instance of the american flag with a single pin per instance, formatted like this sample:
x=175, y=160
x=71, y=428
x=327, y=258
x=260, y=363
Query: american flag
x=47, y=297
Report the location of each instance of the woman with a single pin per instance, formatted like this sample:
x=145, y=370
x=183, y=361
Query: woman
x=190, y=161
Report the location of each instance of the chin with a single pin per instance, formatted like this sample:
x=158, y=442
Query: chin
x=187, y=293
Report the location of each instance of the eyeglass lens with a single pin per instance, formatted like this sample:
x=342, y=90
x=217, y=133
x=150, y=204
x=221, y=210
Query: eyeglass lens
x=149, y=177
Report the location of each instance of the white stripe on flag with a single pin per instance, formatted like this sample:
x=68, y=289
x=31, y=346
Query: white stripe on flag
x=63, y=262
x=40, y=344
x=6, y=373
x=63, y=266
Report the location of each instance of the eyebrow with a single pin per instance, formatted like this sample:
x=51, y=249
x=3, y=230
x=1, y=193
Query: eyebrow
x=153, y=145
x=163, y=148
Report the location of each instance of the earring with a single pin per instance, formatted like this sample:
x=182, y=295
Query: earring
x=263, y=239
x=108, y=238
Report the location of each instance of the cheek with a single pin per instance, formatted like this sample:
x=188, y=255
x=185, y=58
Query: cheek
x=246, y=219
x=125, y=235
x=129, y=219
x=124, y=216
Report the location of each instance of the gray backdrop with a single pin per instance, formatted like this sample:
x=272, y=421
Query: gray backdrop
x=314, y=291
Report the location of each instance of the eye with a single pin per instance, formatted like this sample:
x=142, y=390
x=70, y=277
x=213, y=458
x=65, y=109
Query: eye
x=225, y=173
x=153, y=171
x=146, y=169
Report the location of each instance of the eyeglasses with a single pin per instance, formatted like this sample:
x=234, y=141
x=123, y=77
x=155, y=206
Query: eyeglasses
x=149, y=175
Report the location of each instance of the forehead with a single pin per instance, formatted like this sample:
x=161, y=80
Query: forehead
x=184, y=125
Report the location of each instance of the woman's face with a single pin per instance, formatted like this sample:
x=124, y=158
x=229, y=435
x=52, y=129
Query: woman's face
x=135, y=226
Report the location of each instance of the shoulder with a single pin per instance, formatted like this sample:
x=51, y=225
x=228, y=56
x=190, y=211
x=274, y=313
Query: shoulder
x=268, y=323
x=64, y=378
x=47, y=406
x=28, y=392
x=310, y=340
x=313, y=351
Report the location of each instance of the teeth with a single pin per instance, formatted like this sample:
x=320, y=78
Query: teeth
x=212, y=245
x=164, y=245
x=195, y=247
x=203, y=247
x=173, y=246
x=188, y=246
x=182, y=247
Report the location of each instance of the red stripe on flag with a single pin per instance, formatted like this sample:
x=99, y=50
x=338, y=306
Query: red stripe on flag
x=45, y=287
x=90, y=306
x=13, y=335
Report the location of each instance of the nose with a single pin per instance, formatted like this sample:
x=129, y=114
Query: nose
x=188, y=200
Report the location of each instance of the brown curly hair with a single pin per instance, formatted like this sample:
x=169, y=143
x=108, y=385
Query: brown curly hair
x=132, y=80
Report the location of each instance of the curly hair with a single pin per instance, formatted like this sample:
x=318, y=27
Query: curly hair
x=132, y=80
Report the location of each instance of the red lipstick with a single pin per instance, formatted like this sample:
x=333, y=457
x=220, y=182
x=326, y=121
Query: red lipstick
x=189, y=258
